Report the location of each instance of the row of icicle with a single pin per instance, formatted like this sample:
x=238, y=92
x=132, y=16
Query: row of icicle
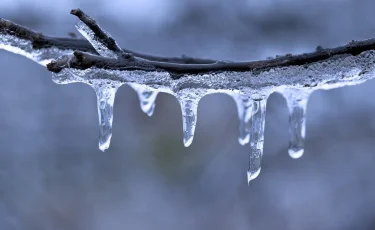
x=251, y=112
x=251, y=115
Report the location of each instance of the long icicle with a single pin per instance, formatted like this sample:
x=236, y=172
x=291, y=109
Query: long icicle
x=105, y=94
x=258, y=119
x=146, y=98
x=296, y=100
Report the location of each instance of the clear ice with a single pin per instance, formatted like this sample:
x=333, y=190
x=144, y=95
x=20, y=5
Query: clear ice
x=105, y=94
x=296, y=100
x=258, y=118
x=189, y=100
x=146, y=98
x=95, y=42
x=244, y=108
x=291, y=81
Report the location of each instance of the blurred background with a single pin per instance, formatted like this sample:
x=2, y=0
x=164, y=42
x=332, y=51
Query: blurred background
x=53, y=176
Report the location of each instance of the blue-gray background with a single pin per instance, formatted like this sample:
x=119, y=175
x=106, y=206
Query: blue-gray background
x=53, y=176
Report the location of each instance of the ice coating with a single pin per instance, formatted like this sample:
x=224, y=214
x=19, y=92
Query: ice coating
x=95, y=42
x=146, y=98
x=258, y=119
x=331, y=73
x=244, y=108
x=24, y=48
x=189, y=100
x=296, y=100
x=293, y=81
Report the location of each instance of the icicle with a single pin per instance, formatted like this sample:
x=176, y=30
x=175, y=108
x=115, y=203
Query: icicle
x=297, y=102
x=244, y=107
x=258, y=119
x=146, y=98
x=105, y=94
x=189, y=106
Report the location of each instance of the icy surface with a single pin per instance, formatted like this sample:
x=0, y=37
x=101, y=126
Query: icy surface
x=332, y=73
x=95, y=42
x=146, y=98
x=296, y=100
x=249, y=90
x=258, y=119
x=24, y=47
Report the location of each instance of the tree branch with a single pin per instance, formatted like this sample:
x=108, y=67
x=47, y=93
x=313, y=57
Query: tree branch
x=323, y=68
x=68, y=45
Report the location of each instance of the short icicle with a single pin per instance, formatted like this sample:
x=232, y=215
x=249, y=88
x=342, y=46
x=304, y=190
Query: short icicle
x=189, y=106
x=297, y=102
x=258, y=119
x=244, y=107
x=146, y=97
x=105, y=94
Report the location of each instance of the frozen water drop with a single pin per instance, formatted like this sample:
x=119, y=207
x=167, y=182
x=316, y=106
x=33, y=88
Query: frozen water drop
x=244, y=107
x=252, y=175
x=295, y=153
x=189, y=106
x=297, y=102
x=146, y=97
x=105, y=99
x=258, y=119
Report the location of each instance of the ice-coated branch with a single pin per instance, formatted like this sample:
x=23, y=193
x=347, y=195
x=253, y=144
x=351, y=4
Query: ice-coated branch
x=105, y=66
x=98, y=34
x=305, y=60
x=38, y=43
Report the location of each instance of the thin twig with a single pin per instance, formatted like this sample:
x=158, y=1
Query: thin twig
x=40, y=41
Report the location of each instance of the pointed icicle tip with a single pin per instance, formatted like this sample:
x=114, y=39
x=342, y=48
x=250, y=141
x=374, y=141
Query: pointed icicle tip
x=105, y=99
x=258, y=119
x=104, y=142
x=146, y=98
x=147, y=101
x=297, y=100
x=252, y=175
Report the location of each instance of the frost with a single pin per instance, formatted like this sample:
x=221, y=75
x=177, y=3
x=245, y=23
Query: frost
x=146, y=98
x=296, y=100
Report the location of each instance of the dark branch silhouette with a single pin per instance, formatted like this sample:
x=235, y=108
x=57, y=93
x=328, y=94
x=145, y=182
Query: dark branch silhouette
x=40, y=41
